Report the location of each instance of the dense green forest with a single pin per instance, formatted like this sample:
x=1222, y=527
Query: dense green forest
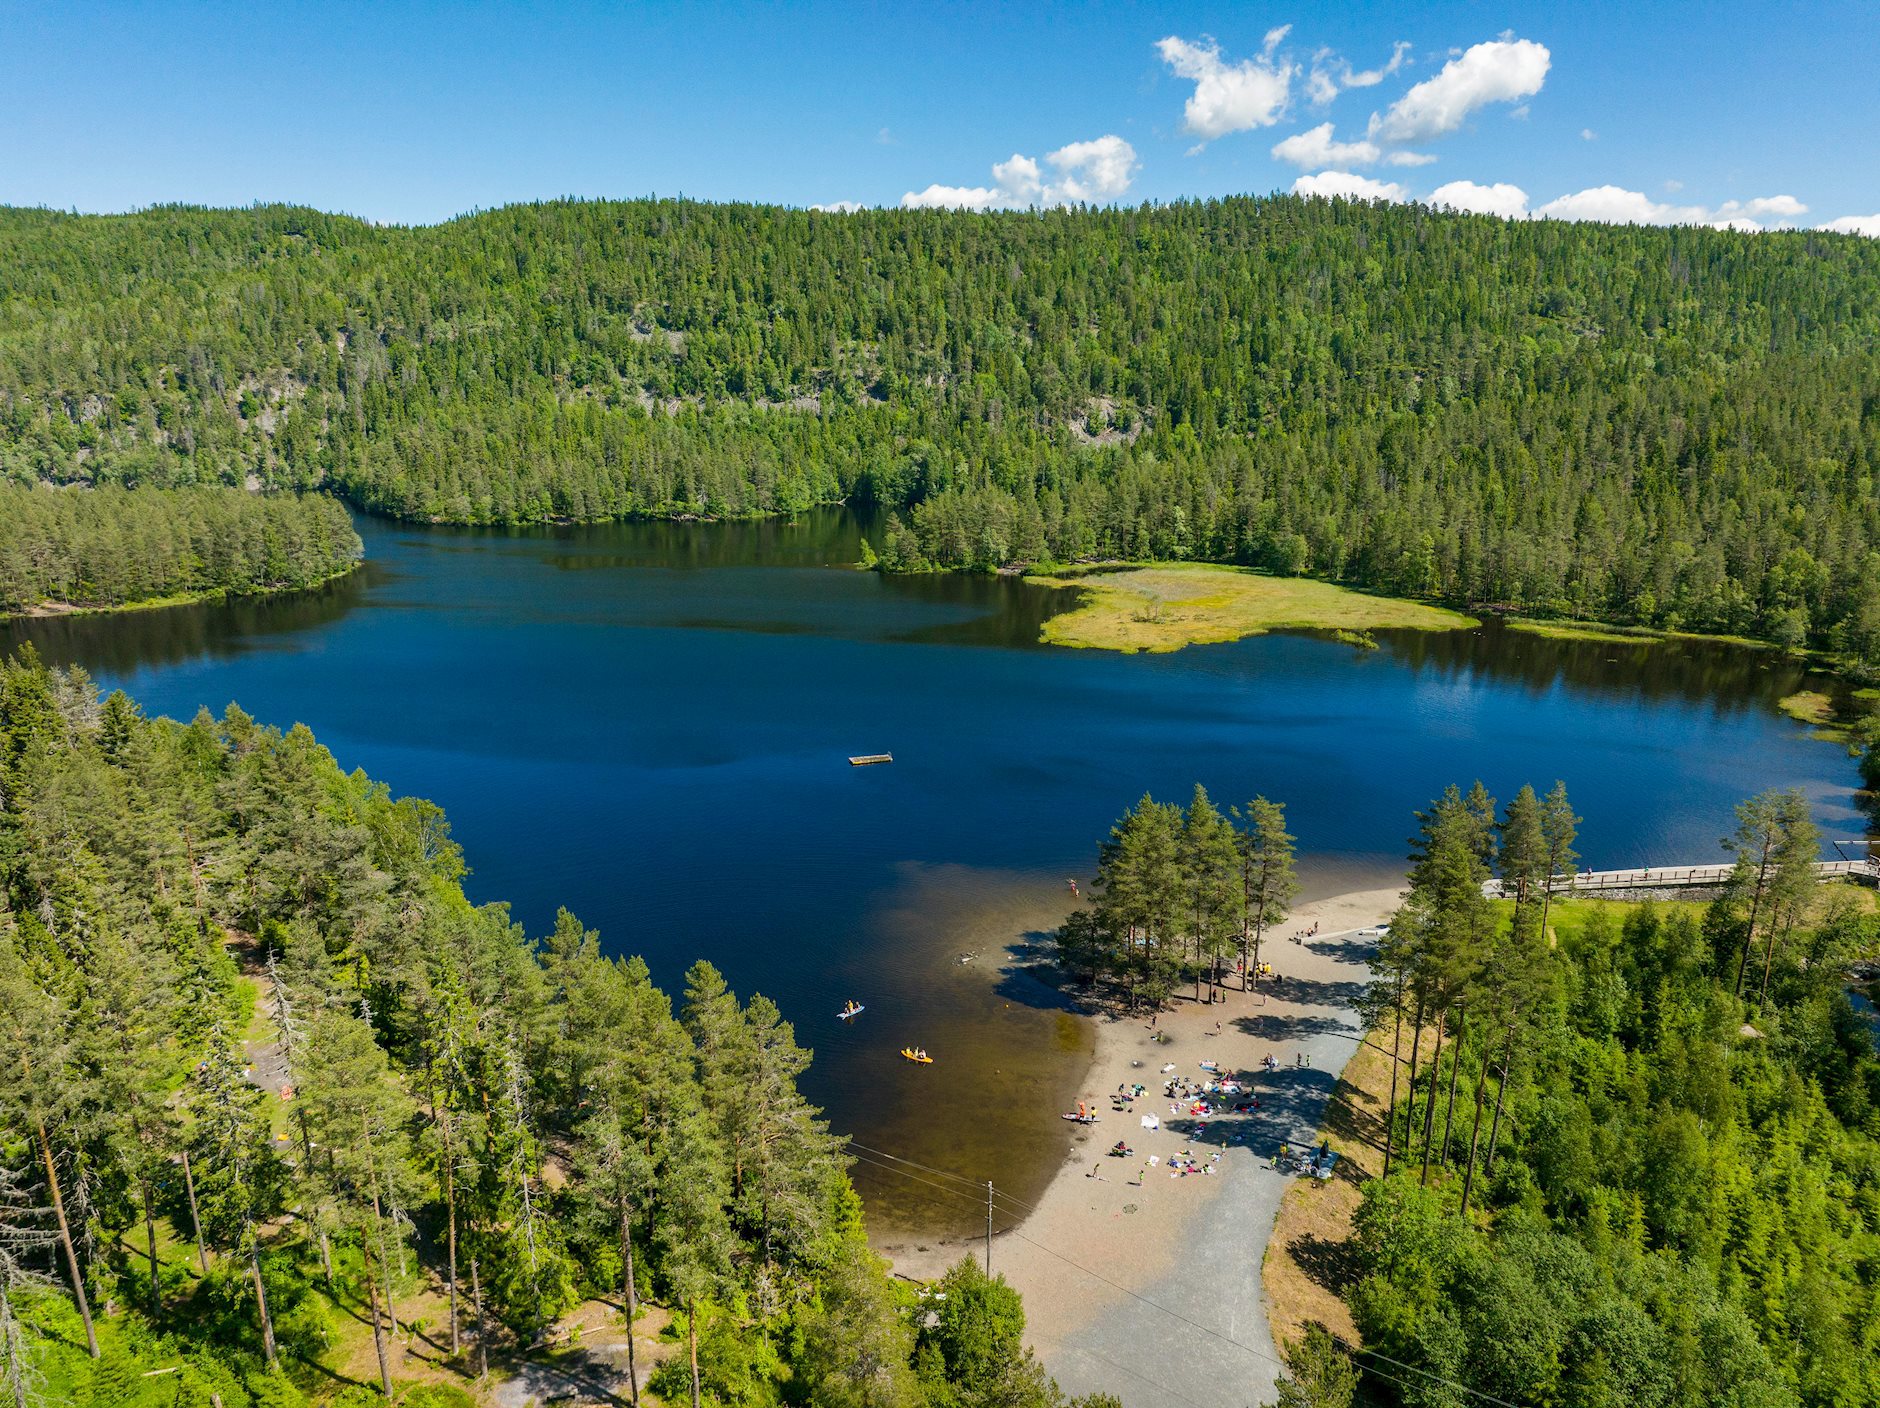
x=1637, y=1152
x=1678, y=427
x=116, y=546
x=1633, y=1153
x=283, y=1116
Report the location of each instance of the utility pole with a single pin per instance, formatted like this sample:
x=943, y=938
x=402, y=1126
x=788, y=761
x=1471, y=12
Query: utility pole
x=988, y=1227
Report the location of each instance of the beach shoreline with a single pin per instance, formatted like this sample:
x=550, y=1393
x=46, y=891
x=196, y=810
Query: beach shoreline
x=1147, y=1283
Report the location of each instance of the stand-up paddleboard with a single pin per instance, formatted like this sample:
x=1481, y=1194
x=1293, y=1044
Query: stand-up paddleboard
x=853, y=1012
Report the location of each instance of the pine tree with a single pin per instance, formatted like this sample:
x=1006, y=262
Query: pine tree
x=242, y=1179
x=1559, y=830
x=1210, y=864
x=41, y=1093
x=1269, y=877
x=24, y=1234
x=1777, y=845
x=362, y=1119
x=694, y=1235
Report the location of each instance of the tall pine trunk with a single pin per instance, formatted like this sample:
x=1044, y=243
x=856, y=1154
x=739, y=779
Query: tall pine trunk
x=1755, y=907
x=691, y=1335
x=150, y=1244
x=195, y=1216
x=378, y=1327
x=1410, y=1091
x=450, y=1205
x=632, y=1293
x=261, y=1299
x=483, y=1338
x=1429, y=1108
x=378, y=1222
x=1475, y=1130
x=65, y=1240
x=1455, y=1069
x=1501, y=1089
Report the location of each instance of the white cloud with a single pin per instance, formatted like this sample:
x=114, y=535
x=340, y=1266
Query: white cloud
x=1080, y=172
x=1499, y=71
x=1587, y=134
x=1093, y=171
x=1855, y=225
x=1332, y=74
x=1230, y=97
x=840, y=207
x=1347, y=185
x=1782, y=207
x=1019, y=178
x=1408, y=159
x=1509, y=202
x=937, y=197
x=1317, y=147
x=1615, y=205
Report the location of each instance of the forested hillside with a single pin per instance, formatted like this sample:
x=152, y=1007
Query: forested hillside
x=117, y=547
x=1679, y=427
x=283, y=1118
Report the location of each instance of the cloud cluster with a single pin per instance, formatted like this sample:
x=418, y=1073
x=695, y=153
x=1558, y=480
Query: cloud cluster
x=1231, y=97
x=1317, y=147
x=1242, y=95
x=1509, y=202
x=1615, y=205
x=1500, y=71
x=1348, y=185
x=1331, y=75
x=1094, y=171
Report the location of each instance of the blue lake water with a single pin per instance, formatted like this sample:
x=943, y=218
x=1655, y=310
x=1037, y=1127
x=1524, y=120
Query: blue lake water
x=649, y=723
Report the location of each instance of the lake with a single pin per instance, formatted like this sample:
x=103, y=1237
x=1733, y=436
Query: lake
x=650, y=723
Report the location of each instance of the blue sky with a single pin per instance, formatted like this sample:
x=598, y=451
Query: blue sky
x=1763, y=114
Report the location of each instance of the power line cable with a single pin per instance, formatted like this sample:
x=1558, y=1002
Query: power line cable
x=1243, y=1345
x=1176, y=1314
x=1018, y=1205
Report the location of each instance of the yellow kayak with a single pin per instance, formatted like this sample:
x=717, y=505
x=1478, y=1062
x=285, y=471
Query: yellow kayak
x=921, y=1056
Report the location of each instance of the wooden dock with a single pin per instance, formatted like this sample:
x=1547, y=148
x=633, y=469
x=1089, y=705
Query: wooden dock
x=864, y=760
x=1685, y=877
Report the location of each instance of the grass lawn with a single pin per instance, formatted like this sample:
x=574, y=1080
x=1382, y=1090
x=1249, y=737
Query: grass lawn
x=1166, y=606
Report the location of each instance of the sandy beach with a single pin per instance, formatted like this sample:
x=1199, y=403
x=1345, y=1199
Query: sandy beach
x=1143, y=1281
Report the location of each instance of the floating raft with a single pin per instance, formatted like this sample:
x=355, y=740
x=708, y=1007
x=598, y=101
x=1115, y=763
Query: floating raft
x=862, y=760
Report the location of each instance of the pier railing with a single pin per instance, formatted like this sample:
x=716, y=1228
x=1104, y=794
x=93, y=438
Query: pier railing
x=1678, y=877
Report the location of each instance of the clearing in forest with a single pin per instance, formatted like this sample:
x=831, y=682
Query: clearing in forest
x=1166, y=606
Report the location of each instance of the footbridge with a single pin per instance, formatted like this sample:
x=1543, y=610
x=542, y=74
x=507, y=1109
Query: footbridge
x=1684, y=877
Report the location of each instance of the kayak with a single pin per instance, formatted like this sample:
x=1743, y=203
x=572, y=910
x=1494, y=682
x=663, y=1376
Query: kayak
x=853, y=1012
x=918, y=1056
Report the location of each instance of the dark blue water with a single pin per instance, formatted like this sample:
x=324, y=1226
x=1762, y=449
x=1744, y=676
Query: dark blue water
x=650, y=725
